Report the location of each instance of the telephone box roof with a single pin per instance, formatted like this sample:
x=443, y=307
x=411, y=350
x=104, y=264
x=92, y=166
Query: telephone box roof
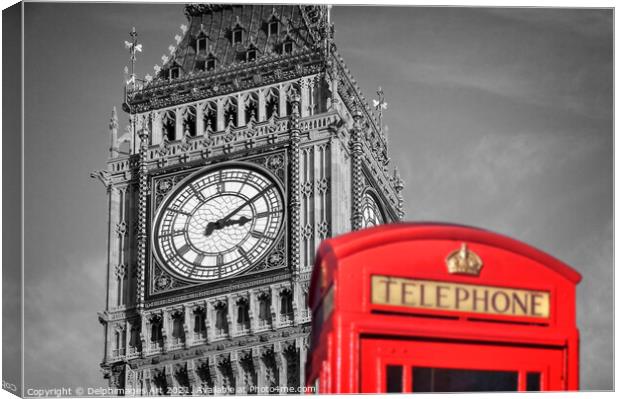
x=352, y=243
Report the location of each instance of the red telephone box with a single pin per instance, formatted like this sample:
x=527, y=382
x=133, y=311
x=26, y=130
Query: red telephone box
x=440, y=308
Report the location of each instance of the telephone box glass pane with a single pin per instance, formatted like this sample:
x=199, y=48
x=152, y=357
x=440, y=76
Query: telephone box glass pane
x=427, y=379
x=394, y=378
x=533, y=381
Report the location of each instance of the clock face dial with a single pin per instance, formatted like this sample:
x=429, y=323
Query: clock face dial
x=218, y=223
x=371, y=213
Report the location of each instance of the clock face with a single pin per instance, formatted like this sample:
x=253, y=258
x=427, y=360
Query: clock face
x=217, y=223
x=371, y=213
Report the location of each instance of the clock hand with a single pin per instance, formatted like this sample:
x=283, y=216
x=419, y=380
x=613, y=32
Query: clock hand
x=221, y=223
x=247, y=202
x=212, y=226
x=241, y=221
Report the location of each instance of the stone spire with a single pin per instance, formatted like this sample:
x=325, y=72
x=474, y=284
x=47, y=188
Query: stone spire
x=113, y=134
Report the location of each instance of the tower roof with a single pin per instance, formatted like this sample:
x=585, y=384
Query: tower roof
x=227, y=32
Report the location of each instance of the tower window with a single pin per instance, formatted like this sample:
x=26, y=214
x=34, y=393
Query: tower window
x=169, y=125
x=264, y=312
x=210, y=117
x=243, y=314
x=221, y=322
x=189, y=121
x=250, y=55
x=156, y=333
x=210, y=64
x=272, y=103
x=293, y=89
x=287, y=47
x=251, y=107
x=119, y=343
x=178, y=333
x=174, y=72
x=237, y=36
x=273, y=28
x=201, y=45
x=134, y=338
x=230, y=112
x=286, y=303
x=199, y=322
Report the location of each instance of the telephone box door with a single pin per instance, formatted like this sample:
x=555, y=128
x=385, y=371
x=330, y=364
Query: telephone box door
x=433, y=366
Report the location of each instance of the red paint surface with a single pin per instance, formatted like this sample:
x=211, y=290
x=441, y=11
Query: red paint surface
x=350, y=348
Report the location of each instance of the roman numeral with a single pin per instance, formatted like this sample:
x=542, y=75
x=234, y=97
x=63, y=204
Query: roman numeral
x=259, y=234
x=171, y=257
x=245, y=180
x=220, y=182
x=173, y=233
x=219, y=261
x=265, y=214
x=180, y=211
x=199, y=259
x=243, y=253
x=183, y=250
x=197, y=193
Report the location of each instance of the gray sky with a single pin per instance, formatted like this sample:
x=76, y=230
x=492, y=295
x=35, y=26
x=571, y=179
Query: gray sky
x=498, y=118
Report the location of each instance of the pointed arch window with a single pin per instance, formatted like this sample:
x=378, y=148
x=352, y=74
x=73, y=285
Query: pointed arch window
x=118, y=348
x=178, y=335
x=273, y=27
x=211, y=64
x=286, y=305
x=264, y=310
x=230, y=112
x=251, y=107
x=272, y=103
x=250, y=55
x=168, y=124
x=243, y=314
x=156, y=338
x=134, y=339
x=292, y=89
x=221, y=322
x=237, y=35
x=175, y=72
x=200, y=326
x=120, y=286
x=287, y=46
x=209, y=116
x=201, y=44
x=189, y=121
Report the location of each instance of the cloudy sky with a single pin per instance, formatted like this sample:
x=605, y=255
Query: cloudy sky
x=498, y=118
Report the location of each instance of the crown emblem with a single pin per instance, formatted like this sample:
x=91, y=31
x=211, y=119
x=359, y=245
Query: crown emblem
x=464, y=261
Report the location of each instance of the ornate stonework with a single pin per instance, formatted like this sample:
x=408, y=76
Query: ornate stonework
x=245, y=85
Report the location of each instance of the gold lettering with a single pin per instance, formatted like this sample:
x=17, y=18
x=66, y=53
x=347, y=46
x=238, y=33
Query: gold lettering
x=440, y=296
x=422, y=302
x=460, y=298
x=387, y=289
x=522, y=304
x=494, y=302
x=446, y=296
x=535, y=304
x=485, y=300
x=404, y=293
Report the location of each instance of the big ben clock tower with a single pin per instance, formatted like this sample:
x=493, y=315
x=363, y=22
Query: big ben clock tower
x=249, y=145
